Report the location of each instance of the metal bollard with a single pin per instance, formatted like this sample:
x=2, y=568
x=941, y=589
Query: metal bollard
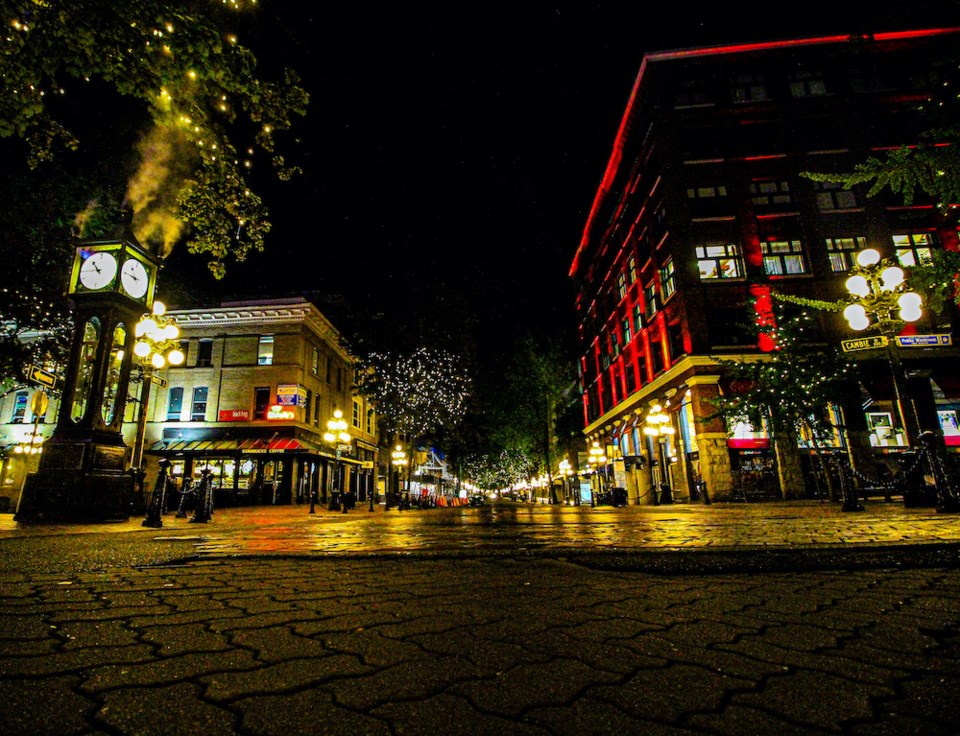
x=185, y=490
x=204, y=505
x=154, y=517
x=851, y=501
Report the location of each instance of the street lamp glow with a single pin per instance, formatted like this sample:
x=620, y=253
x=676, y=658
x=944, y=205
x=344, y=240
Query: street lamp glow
x=868, y=257
x=856, y=315
x=891, y=277
x=858, y=285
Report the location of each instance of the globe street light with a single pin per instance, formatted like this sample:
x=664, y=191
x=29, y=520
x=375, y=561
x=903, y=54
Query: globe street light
x=565, y=472
x=597, y=458
x=878, y=297
x=157, y=344
x=398, y=458
x=657, y=425
x=337, y=436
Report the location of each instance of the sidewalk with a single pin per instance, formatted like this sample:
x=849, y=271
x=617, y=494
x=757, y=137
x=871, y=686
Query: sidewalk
x=470, y=621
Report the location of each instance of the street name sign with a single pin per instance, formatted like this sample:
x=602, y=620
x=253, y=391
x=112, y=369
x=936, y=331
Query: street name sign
x=158, y=381
x=863, y=343
x=924, y=341
x=45, y=378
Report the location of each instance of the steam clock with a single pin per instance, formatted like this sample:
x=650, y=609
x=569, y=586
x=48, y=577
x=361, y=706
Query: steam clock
x=81, y=474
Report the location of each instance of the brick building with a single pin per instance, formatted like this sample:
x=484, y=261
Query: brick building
x=703, y=211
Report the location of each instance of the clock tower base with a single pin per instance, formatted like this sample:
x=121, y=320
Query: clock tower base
x=78, y=481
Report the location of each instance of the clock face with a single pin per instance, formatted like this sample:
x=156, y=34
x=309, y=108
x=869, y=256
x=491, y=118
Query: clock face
x=98, y=271
x=133, y=278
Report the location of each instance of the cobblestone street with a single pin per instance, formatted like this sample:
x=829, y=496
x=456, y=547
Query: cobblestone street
x=261, y=622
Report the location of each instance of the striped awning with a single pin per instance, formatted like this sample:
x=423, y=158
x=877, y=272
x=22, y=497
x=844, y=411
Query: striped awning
x=252, y=446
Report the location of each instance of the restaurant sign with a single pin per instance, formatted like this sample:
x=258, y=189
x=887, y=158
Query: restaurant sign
x=234, y=415
x=280, y=413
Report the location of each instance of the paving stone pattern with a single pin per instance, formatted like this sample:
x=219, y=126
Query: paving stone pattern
x=499, y=646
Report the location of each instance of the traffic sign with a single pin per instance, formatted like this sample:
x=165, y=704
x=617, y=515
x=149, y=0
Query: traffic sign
x=924, y=341
x=38, y=404
x=44, y=378
x=158, y=381
x=863, y=343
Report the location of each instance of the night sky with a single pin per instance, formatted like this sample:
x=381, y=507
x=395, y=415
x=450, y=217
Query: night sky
x=456, y=149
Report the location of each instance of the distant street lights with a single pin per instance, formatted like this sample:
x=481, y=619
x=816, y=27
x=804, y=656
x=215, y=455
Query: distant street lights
x=878, y=297
x=338, y=437
x=566, y=471
x=398, y=458
x=597, y=459
x=657, y=425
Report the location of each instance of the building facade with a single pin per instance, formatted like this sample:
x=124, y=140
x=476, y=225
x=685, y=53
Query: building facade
x=703, y=213
x=252, y=400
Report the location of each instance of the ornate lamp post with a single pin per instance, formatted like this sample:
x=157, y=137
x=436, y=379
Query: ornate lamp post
x=156, y=345
x=398, y=458
x=878, y=297
x=337, y=436
x=597, y=458
x=565, y=472
x=657, y=425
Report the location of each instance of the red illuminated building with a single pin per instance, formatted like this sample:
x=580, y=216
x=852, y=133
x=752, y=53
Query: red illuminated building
x=703, y=210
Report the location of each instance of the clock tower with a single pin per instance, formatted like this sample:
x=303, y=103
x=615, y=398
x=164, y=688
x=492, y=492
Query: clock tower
x=82, y=475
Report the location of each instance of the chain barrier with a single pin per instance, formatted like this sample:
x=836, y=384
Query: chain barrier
x=897, y=480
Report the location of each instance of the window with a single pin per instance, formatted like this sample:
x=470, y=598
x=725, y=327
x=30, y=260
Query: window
x=692, y=93
x=175, y=404
x=807, y=84
x=265, y=350
x=625, y=331
x=19, y=407
x=832, y=196
x=748, y=88
x=668, y=281
x=656, y=356
x=622, y=285
x=185, y=349
x=913, y=248
x=205, y=354
x=675, y=340
x=307, y=405
x=637, y=318
x=841, y=252
x=720, y=261
x=339, y=378
x=630, y=377
x=315, y=361
x=783, y=258
x=356, y=413
x=261, y=401
x=329, y=368
x=371, y=421
x=710, y=192
x=316, y=411
x=198, y=411
x=651, y=298
x=766, y=193
x=632, y=269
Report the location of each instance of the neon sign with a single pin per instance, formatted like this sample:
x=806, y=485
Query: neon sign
x=281, y=413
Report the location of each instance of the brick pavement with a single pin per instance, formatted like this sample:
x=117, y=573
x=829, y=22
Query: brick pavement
x=486, y=641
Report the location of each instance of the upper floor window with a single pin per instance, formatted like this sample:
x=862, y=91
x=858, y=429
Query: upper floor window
x=632, y=269
x=783, y=258
x=766, y=193
x=748, y=88
x=314, y=361
x=198, y=411
x=637, y=318
x=357, y=410
x=668, y=281
x=692, y=93
x=651, y=298
x=720, y=261
x=625, y=330
x=20, y=401
x=265, y=350
x=832, y=196
x=842, y=251
x=205, y=353
x=807, y=84
x=708, y=192
x=622, y=285
x=175, y=404
x=912, y=249
x=371, y=421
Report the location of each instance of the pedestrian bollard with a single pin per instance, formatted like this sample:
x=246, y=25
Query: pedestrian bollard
x=154, y=517
x=705, y=493
x=204, y=506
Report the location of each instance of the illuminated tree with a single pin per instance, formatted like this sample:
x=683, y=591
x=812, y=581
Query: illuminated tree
x=788, y=390
x=210, y=112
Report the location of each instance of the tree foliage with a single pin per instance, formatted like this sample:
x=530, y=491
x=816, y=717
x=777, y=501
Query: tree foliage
x=210, y=110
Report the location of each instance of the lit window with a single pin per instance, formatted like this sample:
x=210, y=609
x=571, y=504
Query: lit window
x=625, y=330
x=265, y=350
x=19, y=407
x=719, y=261
x=637, y=318
x=651, y=298
x=807, y=84
x=913, y=249
x=748, y=88
x=711, y=192
x=622, y=285
x=175, y=404
x=315, y=361
x=783, y=258
x=632, y=269
x=832, y=196
x=356, y=413
x=842, y=251
x=766, y=193
x=668, y=281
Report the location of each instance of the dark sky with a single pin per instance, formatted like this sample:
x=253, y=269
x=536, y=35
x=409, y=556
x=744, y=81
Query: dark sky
x=457, y=147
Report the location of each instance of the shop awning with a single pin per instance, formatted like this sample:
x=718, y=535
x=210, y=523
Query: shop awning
x=252, y=447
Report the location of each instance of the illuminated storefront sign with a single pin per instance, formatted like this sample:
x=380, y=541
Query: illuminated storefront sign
x=278, y=412
x=287, y=394
x=234, y=415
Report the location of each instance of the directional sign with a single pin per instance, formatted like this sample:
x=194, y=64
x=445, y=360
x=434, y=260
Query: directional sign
x=44, y=378
x=864, y=343
x=924, y=341
x=158, y=381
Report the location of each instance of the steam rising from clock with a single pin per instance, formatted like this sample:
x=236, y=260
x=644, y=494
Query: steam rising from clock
x=166, y=159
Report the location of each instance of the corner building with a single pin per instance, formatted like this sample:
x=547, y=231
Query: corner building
x=702, y=213
x=252, y=401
